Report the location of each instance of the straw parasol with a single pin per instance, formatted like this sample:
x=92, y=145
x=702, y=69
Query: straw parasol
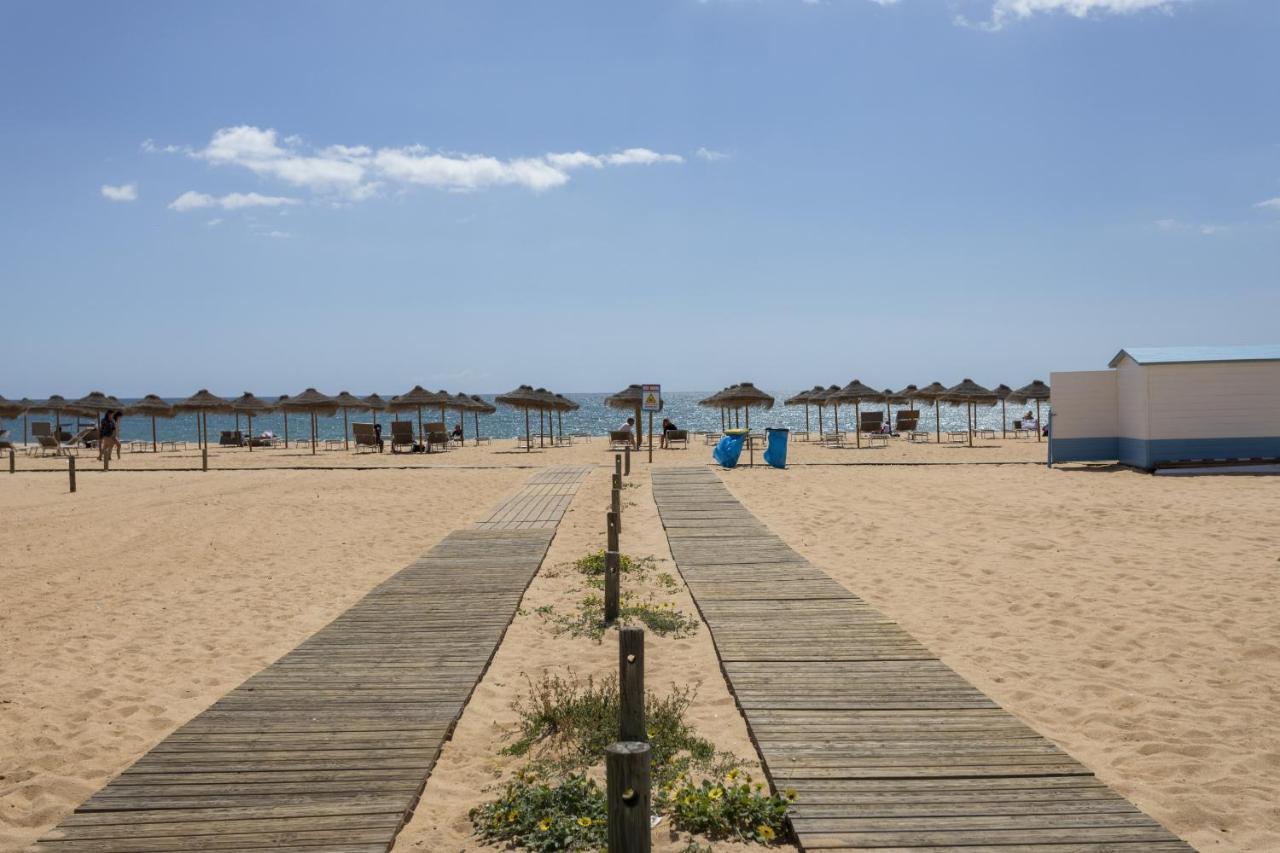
x=969, y=394
x=525, y=397
x=549, y=404
x=248, y=405
x=20, y=407
x=1002, y=393
x=97, y=402
x=933, y=392
x=746, y=396
x=630, y=398
x=375, y=404
x=314, y=404
x=201, y=404
x=151, y=406
x=564, y=404
x=1033, y=390
x=857, y=393
x=463, y=404
x=713, y=402
x=347, y=401
x=479, y=407
x=414, y=399
x=801, y=399
x=56, y=405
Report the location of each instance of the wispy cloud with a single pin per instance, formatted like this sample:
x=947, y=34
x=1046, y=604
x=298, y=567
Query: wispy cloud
x=124, y=192
x=1269, y=204
x=711, y=155
x=192, y=200
x=1004, y=12
x=1206, y=229
x=358, y=172
x=215, y=222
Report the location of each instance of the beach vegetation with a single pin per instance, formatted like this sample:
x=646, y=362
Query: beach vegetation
x=541, y=814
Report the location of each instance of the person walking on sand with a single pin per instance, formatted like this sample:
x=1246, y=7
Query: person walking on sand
x=108, y=435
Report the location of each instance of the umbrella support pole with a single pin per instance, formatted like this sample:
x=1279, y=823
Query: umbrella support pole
x=1039, y=429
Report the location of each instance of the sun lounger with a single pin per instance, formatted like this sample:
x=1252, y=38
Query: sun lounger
x=712, y=438
x=958, y=436
x=870, y=423
x=677, y=436
x=872, y=438
x=437, y=438
x=484, y=439
x=5, y=443
x=366, y=438
x=905, y=421
x=401, y=435
x=984, y=432
x=832, y=439
x=231, y=438
x=1024, y=429
x=620, y=439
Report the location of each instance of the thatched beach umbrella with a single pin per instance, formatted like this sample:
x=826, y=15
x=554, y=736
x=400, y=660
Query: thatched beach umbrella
x=857, y=393
x=57, y=405
x=201, y=404
x=969, y=394
x=348, y=401
x=1033, y=390
x=375, y=404
x=97, y=402
x=414, y=399
x=248, y=405
x=21, y=407
x=713, y=402
x=1002, y=393
x=151, y=406
x=933, y=392
x=480, y=407
x=747, y=396
x=801, y=399
x=526, y=398
x=314, y=404
x=549, y=405
x=564, y=404
x=630, y=398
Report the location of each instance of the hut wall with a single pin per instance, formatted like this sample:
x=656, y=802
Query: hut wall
x=1085, y=424
x=1216, y=410
x=1133, y=419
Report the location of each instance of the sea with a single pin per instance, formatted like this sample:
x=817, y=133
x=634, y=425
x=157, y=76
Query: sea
x=594, y=418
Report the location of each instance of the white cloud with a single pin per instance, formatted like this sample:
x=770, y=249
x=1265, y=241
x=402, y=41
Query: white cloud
x=215, y=222
x=358, y=172
x=1167, y=224
x=711, y=155
x=1208, y=230
x=150, y=147
x=1005, y=11
x=1269, y=204
x=124, y=192
x=192, y=200
x=279, y=235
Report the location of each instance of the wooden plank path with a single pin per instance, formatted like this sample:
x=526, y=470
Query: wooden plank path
x=541, y=504
x=886, y=746
x=328, y=748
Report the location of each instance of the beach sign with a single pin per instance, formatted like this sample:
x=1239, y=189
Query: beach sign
x=652, y=395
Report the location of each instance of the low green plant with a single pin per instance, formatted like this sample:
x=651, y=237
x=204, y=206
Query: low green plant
x=732, y=806
x=566, y=723
x=537, y=814
x=587, y=620
x=592, y=565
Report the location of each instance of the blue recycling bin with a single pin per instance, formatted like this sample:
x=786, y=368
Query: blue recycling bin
x=775, y=451
x=729, y=448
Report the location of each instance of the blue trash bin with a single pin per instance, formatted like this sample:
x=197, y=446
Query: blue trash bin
x=775, y=452
x=729, y=448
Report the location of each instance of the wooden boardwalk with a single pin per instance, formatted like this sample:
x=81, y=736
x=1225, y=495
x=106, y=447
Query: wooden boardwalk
x=886, y=746
x=329, y=747
x=540, y=504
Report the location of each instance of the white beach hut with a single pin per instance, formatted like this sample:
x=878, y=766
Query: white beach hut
x=1165, y=405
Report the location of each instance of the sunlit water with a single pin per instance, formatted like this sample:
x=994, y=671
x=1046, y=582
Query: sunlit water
x=593, y=418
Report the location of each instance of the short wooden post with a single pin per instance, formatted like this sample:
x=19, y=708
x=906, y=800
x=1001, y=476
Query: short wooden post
x=204, y=459
x=71, y=472
x=106, y=461
x=627, y=795
x=12, y=462
x=626, y=464
x=617, y=464
x=612, y=571
x=631, y=725
x=615, y=498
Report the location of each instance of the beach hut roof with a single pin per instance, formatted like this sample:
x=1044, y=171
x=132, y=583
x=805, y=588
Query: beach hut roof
x=745, y=394
x=246, y=403
x=375, y=403
x=483, y=406
x=414, y=398
x=627, y=398
x=347, y=400
x=1034, y=390
x=202, y=400
x=968, y=391
x=97, y=401
x=524, y=397
x=150, y=405
x=856, y=392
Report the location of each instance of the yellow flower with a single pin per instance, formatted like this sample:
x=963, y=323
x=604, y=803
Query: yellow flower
x=759, y=786
x=791, y=793
x=584, y=822
x=690, y=800
x=766, y=834
x=732, y=776
x=650, y=734
x=715, y=794
x=512, y=815
x=544, y=824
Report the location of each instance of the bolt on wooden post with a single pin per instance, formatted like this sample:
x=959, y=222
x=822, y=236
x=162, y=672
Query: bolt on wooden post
x=612, y=569
x=627, y=761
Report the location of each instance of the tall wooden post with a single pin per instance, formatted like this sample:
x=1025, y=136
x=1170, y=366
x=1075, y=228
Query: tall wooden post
x=612, y=569
x=204, y=459
x=12, y=463
x=627, y=793
x=71, y=472
x=626, y=453
x=631, y=684
x=615, y=499
x=651, y=438
x=617, y=464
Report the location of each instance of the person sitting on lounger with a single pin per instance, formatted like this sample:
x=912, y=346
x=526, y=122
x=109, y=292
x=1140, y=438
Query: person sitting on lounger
x=628, y=428
x=456, y=435
x=377, y=436
x=667, y=426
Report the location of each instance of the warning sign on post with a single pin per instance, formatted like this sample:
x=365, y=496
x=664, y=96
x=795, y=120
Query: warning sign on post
x=652, y=398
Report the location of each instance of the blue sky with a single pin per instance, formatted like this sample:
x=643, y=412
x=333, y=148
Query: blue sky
x=580, y=195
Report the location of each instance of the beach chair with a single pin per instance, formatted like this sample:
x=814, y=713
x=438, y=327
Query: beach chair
x=437, y=437
x=984, y=432
x=231, y=438
x=1024, y=429
x=401, y=435
x=905, y=421
x=870, y=422
x=483, y=439
x=5, y=443
x=620, y=439
x=44, y=446
x=834, y=438
x=712, y=438
x=677, y=436
x=957, y=436
x=366, y=438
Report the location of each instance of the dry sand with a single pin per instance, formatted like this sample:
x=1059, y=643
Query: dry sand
x=1132, y=619
x=134, y=604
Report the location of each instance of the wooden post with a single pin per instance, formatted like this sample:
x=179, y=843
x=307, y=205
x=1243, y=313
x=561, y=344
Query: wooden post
x=937, y=419
x=204, y=459
x=627, y=794
x=631, y=684
x=106, y=461
x=1039, y=429
x=626, y=466
x=616, y=499
x=12, y=464
x=71, y=472
x=651, y=438
x=1004, y=420
x=617, y=464
x=612, y=570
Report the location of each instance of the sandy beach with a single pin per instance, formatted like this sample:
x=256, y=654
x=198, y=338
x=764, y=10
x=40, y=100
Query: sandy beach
x=1130, y=618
